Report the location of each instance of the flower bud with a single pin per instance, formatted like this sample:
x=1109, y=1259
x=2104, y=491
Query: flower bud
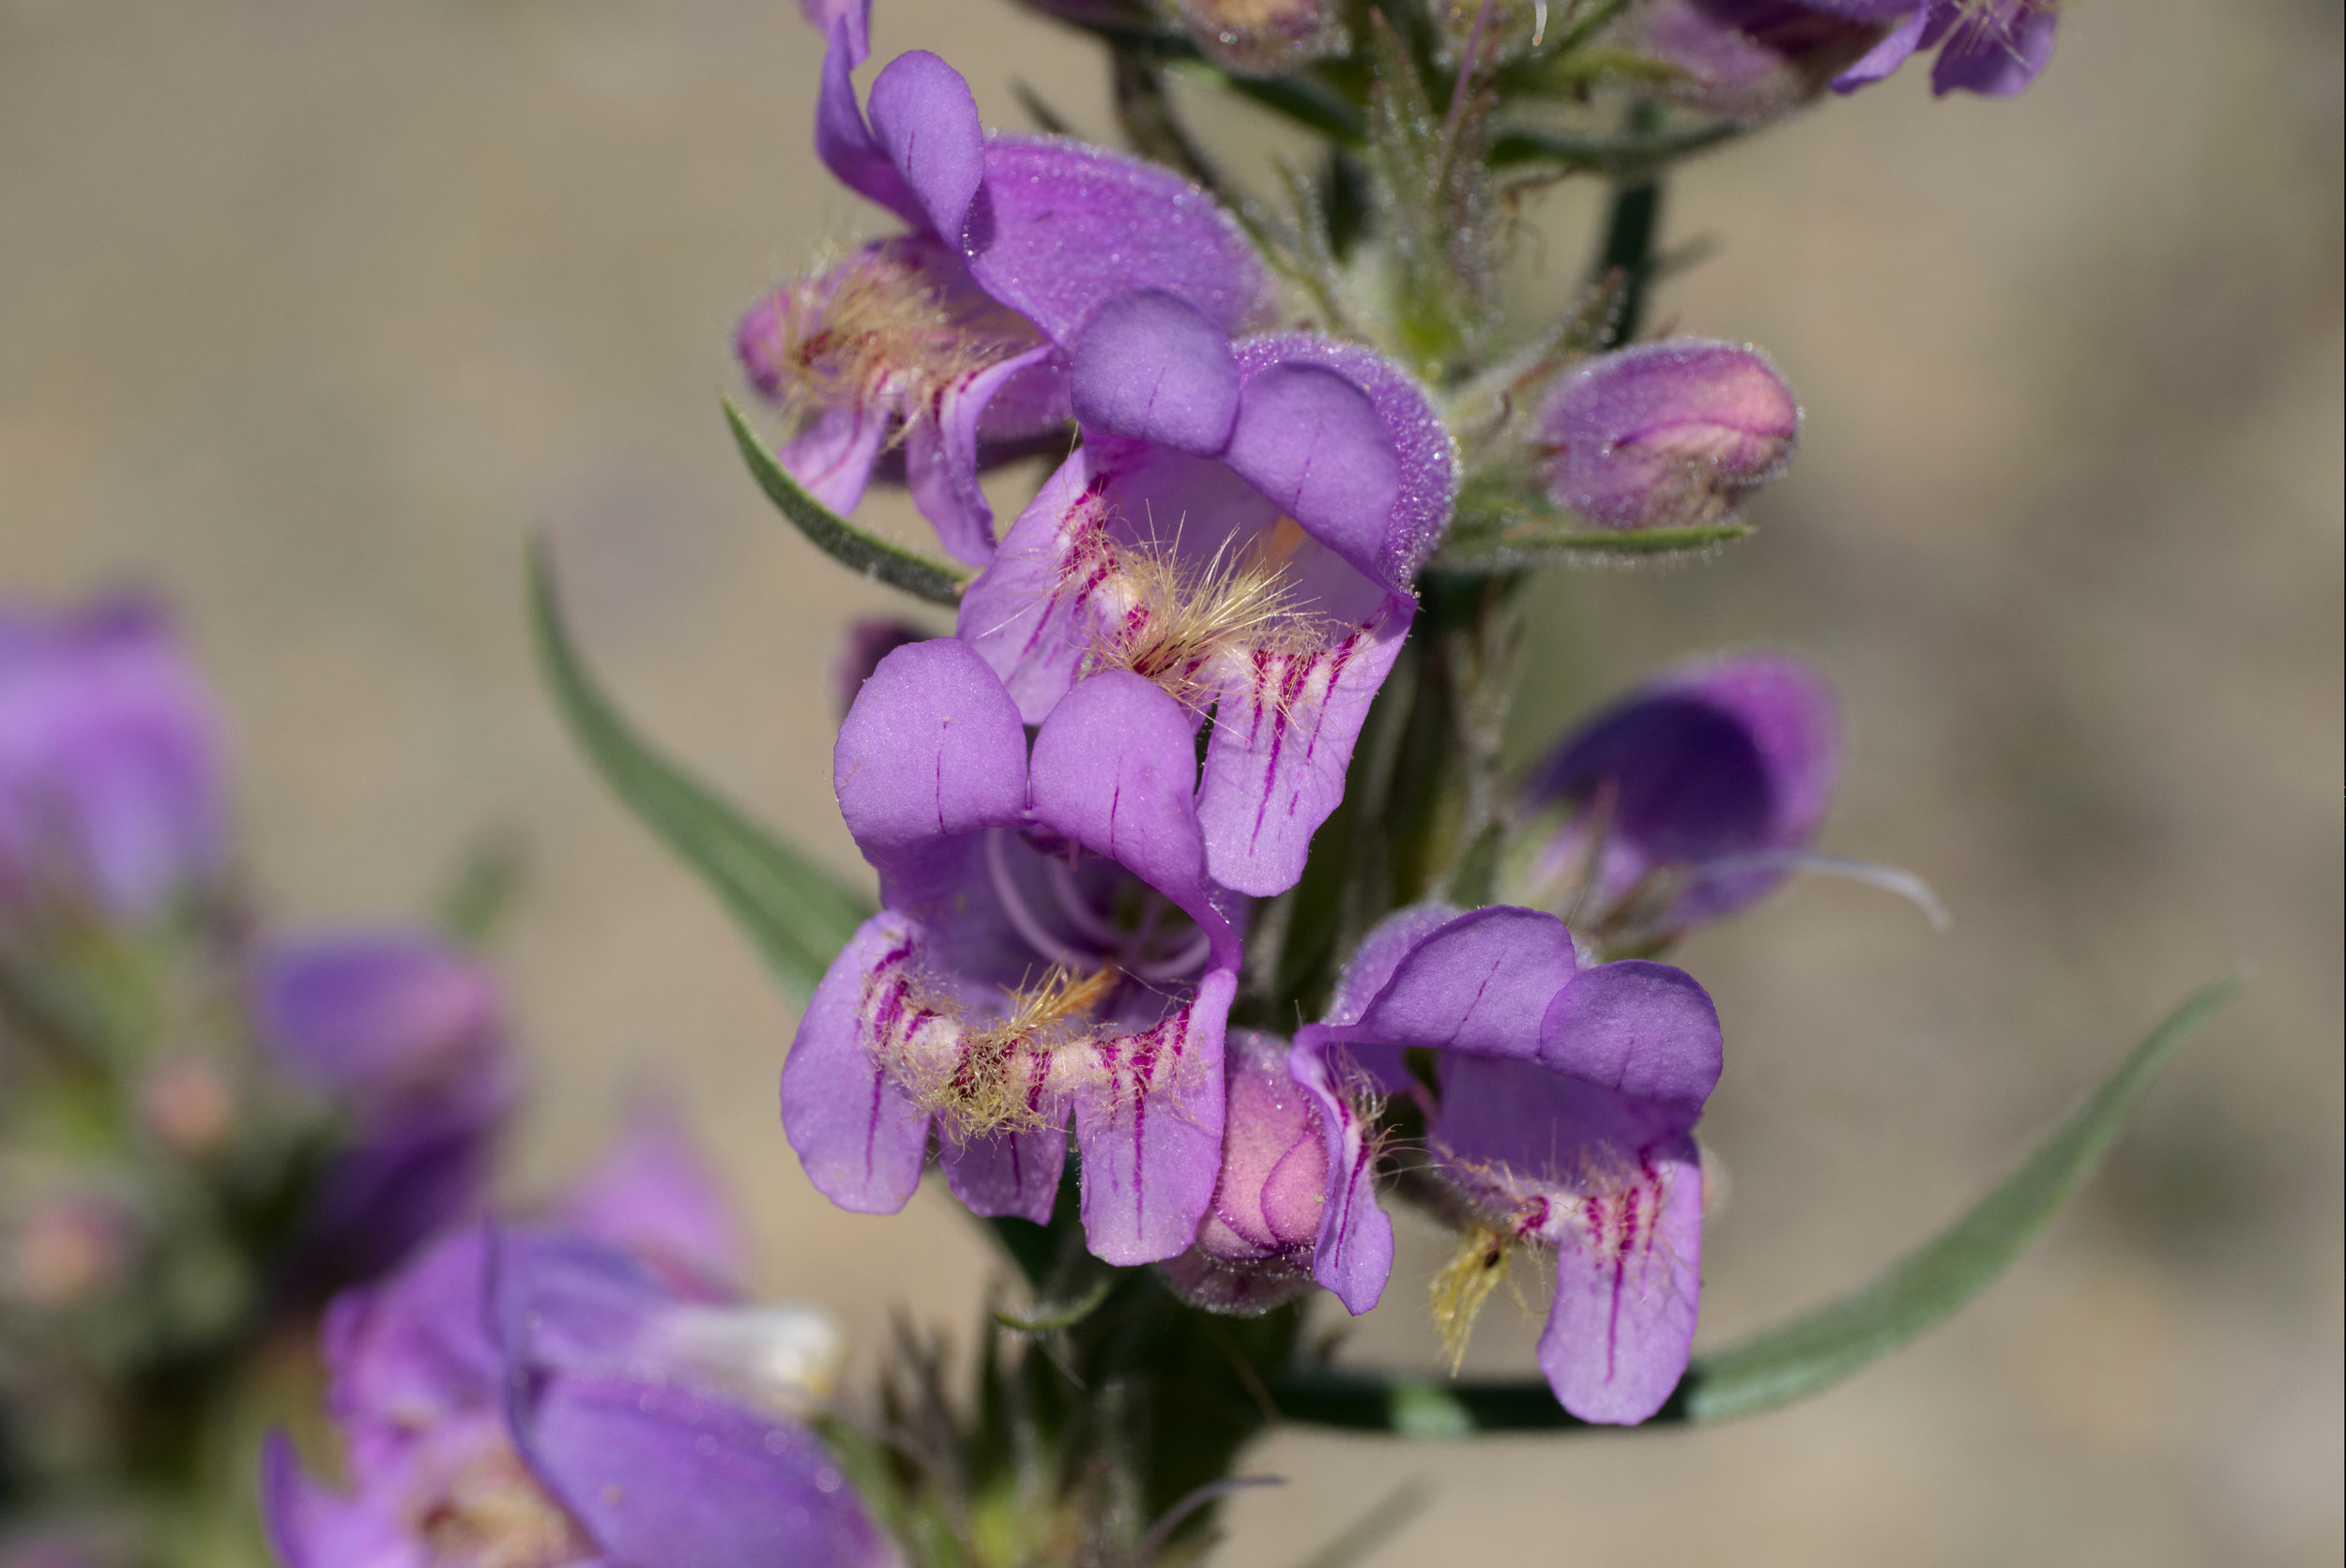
x=1264, y=38
x=1667, y=434
x=69, y=1246
x=1750, y=60
x=111, y=789
x=190, y=1104
x=1254, y=1248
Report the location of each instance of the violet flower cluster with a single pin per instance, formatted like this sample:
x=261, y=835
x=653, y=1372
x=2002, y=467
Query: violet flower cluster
x=1083, y=804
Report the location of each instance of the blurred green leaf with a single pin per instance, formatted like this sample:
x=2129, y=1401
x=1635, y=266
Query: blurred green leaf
x=1814, y=1352
x=922, y=576
x=795, y=912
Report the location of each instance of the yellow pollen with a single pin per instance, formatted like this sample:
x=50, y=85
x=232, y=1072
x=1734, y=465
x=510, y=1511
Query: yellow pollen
x=1180, y=621
x=874, y=323
x=990, y=1085
x=1465, y=1284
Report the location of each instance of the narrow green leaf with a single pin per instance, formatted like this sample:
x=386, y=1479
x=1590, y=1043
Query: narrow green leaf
x=1927, y=1284
x=1814, y=1352
x=922, y=576
x=1485, y=543
x=795, y=912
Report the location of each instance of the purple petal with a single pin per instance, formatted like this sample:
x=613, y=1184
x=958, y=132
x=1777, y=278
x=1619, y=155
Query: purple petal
x=1275, y=766
x=1368, y=970
x=662, y=1477
x=403, y=1178
x=846, y=143
x=860, y=1137
x=1115, y=771
x=1014, y=1172
x=1997, y=49
x=654, y=1196
x=1645, y=1032
x=309, y=1526
x=833, y=457
x=1428, y=456
x=1482, y=983
x=1887, y=55
x=1313, y=442
x=377, y=1016
x=1059, y=229
x=942, y=456
x=1623, y=1323
x=1665, y=435
x=1151, y=1133
x=926, y=121
x=855, y=15
x=413, y=1350
x=932, y=749
x=1353, y=1256
x=1150, y=367
x=1025, y=613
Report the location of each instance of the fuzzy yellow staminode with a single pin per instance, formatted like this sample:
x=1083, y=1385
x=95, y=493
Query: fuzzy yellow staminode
x=989, y=1085
x=873, y=325
x=1180, y=621
x=1465, y=1283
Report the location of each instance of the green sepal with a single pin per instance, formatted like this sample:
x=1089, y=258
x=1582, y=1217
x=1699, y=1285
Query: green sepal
x=1815, y=1351
x=922, y=576
x=795, y=912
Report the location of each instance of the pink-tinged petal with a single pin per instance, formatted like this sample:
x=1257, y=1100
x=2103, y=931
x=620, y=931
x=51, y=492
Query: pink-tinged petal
x=1887, y=55
x=1481, y=983
x=1353, y=1255
x=1025, y=613
x=942, y=456
x=1151, y=1130
x=846, y=143
x=1644, y=1031
x=1150, y=367
x=860, y=1137
x=1427, y=453
x=933, y=748
x=855, y=15
x=833, y=456
x=1281, y=743
x=664, y=1477
x=1114, y=770
x=1060, y=228
x=1665, y=435
x=1313, y=442
x=1997, y=49
x=927, y=122
x=654, y=1196
x=1627, y=1291
x=1014, y=1172
x=310, y=1525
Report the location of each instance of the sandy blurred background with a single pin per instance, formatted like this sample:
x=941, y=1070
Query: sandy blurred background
x=308, y=310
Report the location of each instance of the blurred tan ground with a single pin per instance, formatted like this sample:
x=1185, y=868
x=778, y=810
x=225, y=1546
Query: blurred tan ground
x=308, y=309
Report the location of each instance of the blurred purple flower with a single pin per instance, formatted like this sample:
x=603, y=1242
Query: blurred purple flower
x=1241, y=525
x=1049, y=943
x=1994, y=48
x=1567, y=1099
x=1750, y=60
x=952, y=336
x=1689, y=798
x=406, y=1034
x=653, y=1195
x=1665, y=435
x=112, y=793
x=1296, y=1199
x=541, y=1398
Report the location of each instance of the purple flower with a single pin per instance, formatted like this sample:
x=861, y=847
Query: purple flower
x=1994, y=48
x=950, y=338
x=1296, y=1197
x=406, y=1034
x=542, y=1398
x=1050, y=942
x=1241, y=526
x=1665, y=435
x=1686, y=801
x=1265, y=37
x=1749, y=59
x=1567, y=1097
x=111, y=794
